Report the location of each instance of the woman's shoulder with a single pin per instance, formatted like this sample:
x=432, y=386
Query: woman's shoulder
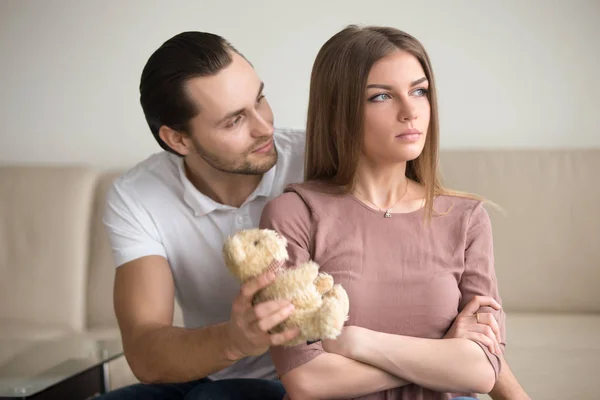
x=310, y=196
x=459, y=204
x=318, y=189
x=461, y=213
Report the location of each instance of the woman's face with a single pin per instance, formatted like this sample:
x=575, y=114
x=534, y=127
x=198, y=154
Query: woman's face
x=396, y=109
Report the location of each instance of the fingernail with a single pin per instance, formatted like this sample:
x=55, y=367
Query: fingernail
x=271, y=275
x=290, y=308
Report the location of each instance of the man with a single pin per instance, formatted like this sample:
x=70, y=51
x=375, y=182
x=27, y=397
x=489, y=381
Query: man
x=168, y=217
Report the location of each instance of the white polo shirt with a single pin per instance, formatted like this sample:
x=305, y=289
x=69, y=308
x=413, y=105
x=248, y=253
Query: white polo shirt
x=153, y=209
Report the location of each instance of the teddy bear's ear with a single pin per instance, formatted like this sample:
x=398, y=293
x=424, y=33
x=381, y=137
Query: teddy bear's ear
x=236, y=250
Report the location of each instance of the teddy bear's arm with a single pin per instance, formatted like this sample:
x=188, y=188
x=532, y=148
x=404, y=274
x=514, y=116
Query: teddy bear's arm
x=291, y=281
x=324, y=282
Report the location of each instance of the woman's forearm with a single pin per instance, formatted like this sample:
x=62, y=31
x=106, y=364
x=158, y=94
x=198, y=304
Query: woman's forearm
x=507, y=387
x=331, y=376
x=448, y=365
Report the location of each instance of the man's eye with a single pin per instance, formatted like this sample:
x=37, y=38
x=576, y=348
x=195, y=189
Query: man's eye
x=234, y=122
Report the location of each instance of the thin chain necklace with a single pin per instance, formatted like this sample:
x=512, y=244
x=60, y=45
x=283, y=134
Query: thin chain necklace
x=386, y=212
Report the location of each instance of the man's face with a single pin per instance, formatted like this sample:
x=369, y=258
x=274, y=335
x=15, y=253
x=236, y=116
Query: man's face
x=233, y=131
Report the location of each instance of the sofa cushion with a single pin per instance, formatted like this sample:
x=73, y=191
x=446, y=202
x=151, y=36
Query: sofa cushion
x=555, y=356
x=24, y=330
x=546, y=240
x=44, y=239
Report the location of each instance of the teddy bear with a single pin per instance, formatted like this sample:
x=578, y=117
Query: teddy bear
x=320, y=306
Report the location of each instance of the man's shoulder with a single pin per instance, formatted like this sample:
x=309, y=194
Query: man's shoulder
x=290, y=137
x=157, y=172
x=290, y=162
x=290, y=144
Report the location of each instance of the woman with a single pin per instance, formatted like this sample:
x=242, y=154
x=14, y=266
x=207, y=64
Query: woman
x=373, y=214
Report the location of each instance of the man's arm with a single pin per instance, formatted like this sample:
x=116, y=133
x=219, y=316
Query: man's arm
x=160, y=352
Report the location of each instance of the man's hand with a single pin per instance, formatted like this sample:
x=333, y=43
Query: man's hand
x=481, y=327
x=249, y=325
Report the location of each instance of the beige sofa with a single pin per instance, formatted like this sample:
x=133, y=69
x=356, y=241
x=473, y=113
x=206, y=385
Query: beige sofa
x=56, y=269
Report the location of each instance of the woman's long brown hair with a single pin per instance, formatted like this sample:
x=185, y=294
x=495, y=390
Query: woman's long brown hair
x=334, y=130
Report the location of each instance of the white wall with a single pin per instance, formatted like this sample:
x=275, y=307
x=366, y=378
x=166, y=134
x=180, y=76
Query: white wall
x=510, y=73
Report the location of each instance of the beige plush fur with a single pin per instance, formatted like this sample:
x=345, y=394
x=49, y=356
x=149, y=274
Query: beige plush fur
x=320, y=306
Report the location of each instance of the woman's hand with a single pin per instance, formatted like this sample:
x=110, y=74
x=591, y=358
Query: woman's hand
x=481, y=327
x=469, y=324
x=347, y=343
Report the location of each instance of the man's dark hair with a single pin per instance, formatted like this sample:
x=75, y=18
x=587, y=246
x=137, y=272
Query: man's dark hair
x=184, y=56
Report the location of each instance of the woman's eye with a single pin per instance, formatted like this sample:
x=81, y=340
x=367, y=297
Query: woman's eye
x=421, y=92
x=380, y=97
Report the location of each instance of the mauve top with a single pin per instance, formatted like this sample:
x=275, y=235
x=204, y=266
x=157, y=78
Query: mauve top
x=402, y=276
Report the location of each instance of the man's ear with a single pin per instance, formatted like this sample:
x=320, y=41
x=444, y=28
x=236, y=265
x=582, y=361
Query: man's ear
x=176, y=140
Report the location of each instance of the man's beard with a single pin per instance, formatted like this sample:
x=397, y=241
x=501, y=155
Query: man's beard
x=242, y=166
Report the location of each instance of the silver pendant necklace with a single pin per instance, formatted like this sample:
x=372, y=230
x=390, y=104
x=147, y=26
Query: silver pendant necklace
x=387, y=213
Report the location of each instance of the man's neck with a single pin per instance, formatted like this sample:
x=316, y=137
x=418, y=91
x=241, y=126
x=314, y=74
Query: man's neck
x=223, y=187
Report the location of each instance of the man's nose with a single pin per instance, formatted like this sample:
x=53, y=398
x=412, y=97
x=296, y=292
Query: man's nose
x=261, y=126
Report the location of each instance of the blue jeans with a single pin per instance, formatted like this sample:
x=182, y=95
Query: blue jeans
x=202, y=389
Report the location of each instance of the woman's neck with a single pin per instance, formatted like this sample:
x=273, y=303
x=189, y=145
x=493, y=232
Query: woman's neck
x=387, y=187
x=382, y=185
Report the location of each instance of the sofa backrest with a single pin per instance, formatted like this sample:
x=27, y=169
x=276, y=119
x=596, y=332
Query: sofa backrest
x=100, y=311
x=547, y=239
x=45, y=213
x=56, y=266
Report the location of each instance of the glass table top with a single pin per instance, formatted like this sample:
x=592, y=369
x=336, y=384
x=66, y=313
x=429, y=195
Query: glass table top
x=40, y=364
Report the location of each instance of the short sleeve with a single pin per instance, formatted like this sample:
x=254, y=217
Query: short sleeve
x=479, y=276
x=131, y=230
x=291, y=217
